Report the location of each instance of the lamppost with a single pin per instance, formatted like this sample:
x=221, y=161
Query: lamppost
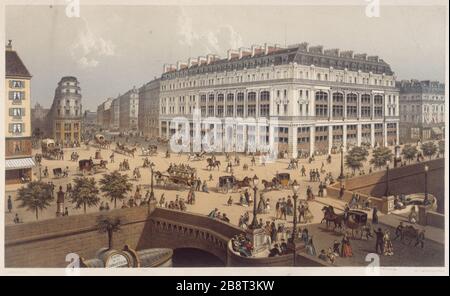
x=295, y=189
x=152, y=194
x=341, y=176
x=387, y=178
x=255, y=182
x=425, y=201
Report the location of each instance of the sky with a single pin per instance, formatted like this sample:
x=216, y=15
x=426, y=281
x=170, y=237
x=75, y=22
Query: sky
x=110, y=49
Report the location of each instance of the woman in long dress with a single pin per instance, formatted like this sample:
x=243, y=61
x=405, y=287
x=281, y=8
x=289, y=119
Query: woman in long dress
x=347, y=250
x=388, y=249
x=413, y=215
x=310, y=249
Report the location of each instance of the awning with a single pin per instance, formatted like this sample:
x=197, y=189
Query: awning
x=436, y=130
x=19, y=163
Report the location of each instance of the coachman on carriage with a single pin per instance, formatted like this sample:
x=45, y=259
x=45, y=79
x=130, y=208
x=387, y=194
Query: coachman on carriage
x=101, y=142
x=49, y=149
x=88, y=166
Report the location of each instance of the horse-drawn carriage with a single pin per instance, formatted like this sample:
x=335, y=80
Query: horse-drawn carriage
x=226, y=183
x=57, y=172
x=196, y=156
x=101, y=142
x=284, y=179
x=49, y=149
x=88, y=166
x=123, y=149
x=181, y=176
x=150, y=151
x=354, y=220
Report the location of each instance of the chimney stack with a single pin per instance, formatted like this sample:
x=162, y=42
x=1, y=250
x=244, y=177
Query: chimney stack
x=9, y=45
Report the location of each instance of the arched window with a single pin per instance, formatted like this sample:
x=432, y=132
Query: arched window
x=240, y=97
x=338, y=98
x=352, y=98
x=321, y=104
x=230, y=98
x=264, y=96
x=220, y=98
x=211, y=98
x=251, y=97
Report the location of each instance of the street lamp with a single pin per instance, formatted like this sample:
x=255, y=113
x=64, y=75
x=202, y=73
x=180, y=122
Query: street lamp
x=425, y=201
x=341, y=176
x=255, y=182
x=387, y=178
x=152, y=194
x=295, y=189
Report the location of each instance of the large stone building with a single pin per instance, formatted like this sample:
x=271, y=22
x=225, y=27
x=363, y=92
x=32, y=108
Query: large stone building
x=129, y=108
x=66, y=113
x=115, y=115
x=104, y=114
x=18, y=150
x=304, y=97
x=148, y=118
x=422, y=109
x=38, y=119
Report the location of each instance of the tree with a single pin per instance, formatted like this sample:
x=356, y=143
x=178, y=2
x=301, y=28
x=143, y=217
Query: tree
x=409, y=152
x=356, y=157
x=115, y=185
x=109, y=226
x=380, y=156
x=429, y=149
x=84, y=193
x=36, y=196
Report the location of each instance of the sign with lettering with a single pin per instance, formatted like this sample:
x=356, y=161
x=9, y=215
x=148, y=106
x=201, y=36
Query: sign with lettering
x=117, y=260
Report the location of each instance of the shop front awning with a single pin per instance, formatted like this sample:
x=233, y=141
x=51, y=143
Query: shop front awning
x=19, y=163
x=436, y=131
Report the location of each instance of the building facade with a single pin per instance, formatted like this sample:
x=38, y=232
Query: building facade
x=104, y=114
x=129, y=108
x=18, y=150
x=66, y=112
x=148, y=115
x=38, y=122
x=114, y=114
x=311, y=99
x=422, y=110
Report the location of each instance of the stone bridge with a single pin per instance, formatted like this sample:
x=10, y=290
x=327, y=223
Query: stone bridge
x=46, y=243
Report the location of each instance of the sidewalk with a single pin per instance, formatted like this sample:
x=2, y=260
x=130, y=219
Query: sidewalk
x=432, y=233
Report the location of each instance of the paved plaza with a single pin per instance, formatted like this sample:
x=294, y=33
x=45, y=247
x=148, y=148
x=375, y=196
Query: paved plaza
x=432, y=255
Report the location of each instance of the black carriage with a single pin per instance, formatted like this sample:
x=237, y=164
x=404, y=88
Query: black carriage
x=226, y=183
x=284, y=179
x=57, y=172
x=85, y=165
x=359, y=217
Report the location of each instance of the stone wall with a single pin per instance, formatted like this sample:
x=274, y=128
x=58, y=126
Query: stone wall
x=435, y=219
x=408, y=179
x=46, y=243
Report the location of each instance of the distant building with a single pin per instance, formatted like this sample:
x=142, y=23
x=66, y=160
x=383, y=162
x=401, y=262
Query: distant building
x=148, y=115
x=115, y=114
x=89, y=119
x=18, y=152
x=129, y=108
x=422, y=110
x=38, y=116
x=66, y=115
x=104, y=114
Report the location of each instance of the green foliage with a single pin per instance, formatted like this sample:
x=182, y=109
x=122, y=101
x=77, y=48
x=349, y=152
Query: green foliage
x=380, y=156
x=84, y=193
x=35, y=197
x=429, y=149
x=409, y=152
x=108, y=225
x=356, y=157
x=115, y=186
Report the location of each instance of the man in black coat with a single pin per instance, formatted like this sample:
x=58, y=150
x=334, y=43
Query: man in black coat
x=379, y=242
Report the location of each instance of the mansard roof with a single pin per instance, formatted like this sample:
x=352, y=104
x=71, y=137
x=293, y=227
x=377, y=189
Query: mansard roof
x=300, y=54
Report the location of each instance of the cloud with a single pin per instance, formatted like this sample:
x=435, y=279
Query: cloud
x=217, y=40
x=89, y=48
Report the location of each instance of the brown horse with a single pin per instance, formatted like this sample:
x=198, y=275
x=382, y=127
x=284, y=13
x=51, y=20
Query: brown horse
x=330, y=216
x=273, y=184
x=241, y=184
x=212, y=164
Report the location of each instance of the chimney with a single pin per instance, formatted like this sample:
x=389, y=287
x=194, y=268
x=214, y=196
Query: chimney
x=256, y=49
x=201, y=60
x=209, y=58
x=244, y=52
x=192, y=61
